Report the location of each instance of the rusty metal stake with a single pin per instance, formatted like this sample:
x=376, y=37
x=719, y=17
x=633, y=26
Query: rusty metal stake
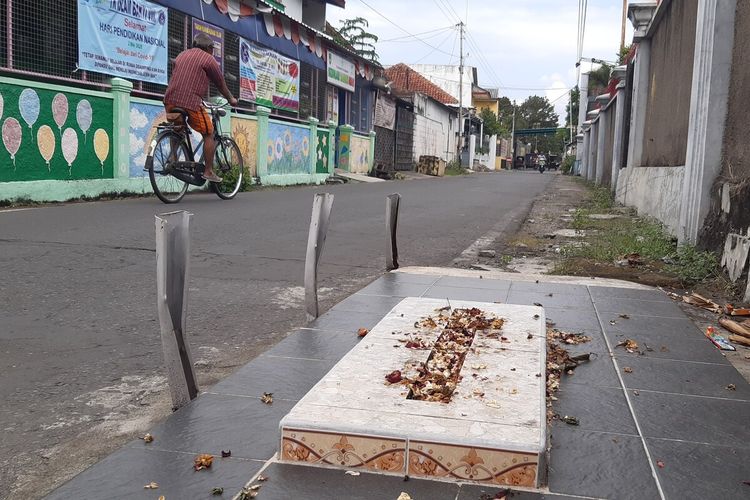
x=321, y=214
x=392, y=203
x=172, y=277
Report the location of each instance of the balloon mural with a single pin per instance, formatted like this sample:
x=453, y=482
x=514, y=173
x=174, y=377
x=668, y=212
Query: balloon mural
x=45, y=139
x=12, y=138
x=84, y=116
x=69, y=146
x=49, y=143
x=60, y=110
x=101, y=146
x=28, y=105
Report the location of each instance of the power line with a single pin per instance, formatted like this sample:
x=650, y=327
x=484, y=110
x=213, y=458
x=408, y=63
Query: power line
x=442, y=9
x=399, y=27
x=406, y=37
x=433, y=50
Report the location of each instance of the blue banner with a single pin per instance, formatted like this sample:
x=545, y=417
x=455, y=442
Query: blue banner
x=126, y=38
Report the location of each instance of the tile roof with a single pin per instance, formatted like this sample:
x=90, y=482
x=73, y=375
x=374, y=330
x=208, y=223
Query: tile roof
x=405, y=78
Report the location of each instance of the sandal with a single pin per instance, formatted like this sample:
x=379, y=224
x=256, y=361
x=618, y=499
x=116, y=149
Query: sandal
x=212, y=178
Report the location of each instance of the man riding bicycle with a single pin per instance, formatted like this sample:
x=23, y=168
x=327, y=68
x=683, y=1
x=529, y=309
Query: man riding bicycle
x=193, y=70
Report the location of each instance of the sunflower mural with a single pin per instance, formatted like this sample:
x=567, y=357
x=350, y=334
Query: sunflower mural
x=288, y=149
x=245, y=134
x=322, y=152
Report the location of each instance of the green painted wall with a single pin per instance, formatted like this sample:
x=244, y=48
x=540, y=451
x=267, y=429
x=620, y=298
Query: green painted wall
x=53, y=133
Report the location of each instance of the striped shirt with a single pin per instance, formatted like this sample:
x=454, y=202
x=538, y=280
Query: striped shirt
x=193, y=70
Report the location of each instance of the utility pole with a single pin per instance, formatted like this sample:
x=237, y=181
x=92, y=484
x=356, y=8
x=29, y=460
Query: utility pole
x=570, y=107
x=513, y=139
x=461, y=89
x=624, y=19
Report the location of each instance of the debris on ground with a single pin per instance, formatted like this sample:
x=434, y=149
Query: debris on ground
x=731, y=387
x=630, y=259
x=697, y=300
x=660, y=464
x=362, y=332
x=352, y=473
x=203, y=461
x=226, y=454
x=148, y=438
x=262, y=479
x=217, y=491
x=625, y=316
x=627, y=369
x=560, y=361
x=730, y=310
x=630, y=345
x=737, y=339
x=718, y=340
x=394, y=377
x=404, y=496
x=151, y=486
x=570, y=420
x=734, y=327
x=500, y=495
x=487, y=253
x=267, y=398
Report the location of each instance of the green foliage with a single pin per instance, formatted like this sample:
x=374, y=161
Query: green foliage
x=536, y=112
x=491, y=124
x=599, y=79
x=573, y=105
x=692, y=265
x=229, y=179
x=454, y=168
x=622, y=56
x=354, y=32
x=506, y=115
x=567, y=164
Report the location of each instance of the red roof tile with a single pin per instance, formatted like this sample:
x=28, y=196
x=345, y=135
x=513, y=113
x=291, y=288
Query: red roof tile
x=405, y=78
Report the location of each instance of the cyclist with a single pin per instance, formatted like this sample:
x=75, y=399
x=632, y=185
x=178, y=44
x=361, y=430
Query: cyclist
x=193, y=70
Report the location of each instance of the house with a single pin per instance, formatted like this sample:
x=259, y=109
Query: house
x=435, y=124
x=485, y=99
x=306, y=102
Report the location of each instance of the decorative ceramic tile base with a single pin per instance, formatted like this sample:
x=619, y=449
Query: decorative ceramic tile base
x=491, y=431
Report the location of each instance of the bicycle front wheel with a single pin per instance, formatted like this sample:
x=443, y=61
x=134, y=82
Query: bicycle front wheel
x=169, y=147
x=229, y=165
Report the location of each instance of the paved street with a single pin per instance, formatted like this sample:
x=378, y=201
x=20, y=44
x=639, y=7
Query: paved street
x=80, y=354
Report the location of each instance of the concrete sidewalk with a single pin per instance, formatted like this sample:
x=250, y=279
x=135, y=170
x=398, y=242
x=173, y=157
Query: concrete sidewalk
x=668, y=426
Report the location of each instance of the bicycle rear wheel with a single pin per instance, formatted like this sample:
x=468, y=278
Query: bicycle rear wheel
x=169, y=146
x=229, y=165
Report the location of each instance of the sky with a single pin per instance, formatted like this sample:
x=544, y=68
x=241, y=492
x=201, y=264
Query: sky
x=524, y=47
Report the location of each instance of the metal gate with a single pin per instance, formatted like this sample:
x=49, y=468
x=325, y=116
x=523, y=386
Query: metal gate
x=404, y=139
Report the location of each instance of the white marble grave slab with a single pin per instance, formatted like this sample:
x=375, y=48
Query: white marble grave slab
x=492, y=431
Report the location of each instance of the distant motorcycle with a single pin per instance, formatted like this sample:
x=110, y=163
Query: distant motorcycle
x=541, y=168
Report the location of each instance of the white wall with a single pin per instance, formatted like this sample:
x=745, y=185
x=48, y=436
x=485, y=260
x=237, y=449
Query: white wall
x=654, y=191
x=447, y=78
x=434, y=129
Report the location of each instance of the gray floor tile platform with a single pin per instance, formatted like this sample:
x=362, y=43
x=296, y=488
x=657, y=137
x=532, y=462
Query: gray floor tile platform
x=668, y=429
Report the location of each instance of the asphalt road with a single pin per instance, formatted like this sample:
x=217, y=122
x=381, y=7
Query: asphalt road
x=80, y=354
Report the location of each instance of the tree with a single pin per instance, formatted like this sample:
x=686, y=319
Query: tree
x=506, y=115
x=599, y=79
x=574, y=103
x=536, y=112
x=622, y=57
x=354, y=33
x=491, y=124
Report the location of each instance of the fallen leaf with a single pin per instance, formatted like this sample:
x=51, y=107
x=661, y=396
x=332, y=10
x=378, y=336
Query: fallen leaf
x=255, y=487
x=162, y=497
x=624, y=316
x=570, y=420
x=612, y=322
x=267, y=398
x=636, y=392
x=148, y=438
x=731, y=387
x=352, y=473
x=362, y=332
x=660, y=464
x=702, y=302
x=225, y=454
x=630, y=345
x=404, y=496
x=394, y=377
x=627, y=369
x=217, y=491
x=151, y=486
x=262, y=479
x=203, y=461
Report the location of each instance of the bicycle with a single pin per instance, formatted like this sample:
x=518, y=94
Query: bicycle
x=171, y=161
